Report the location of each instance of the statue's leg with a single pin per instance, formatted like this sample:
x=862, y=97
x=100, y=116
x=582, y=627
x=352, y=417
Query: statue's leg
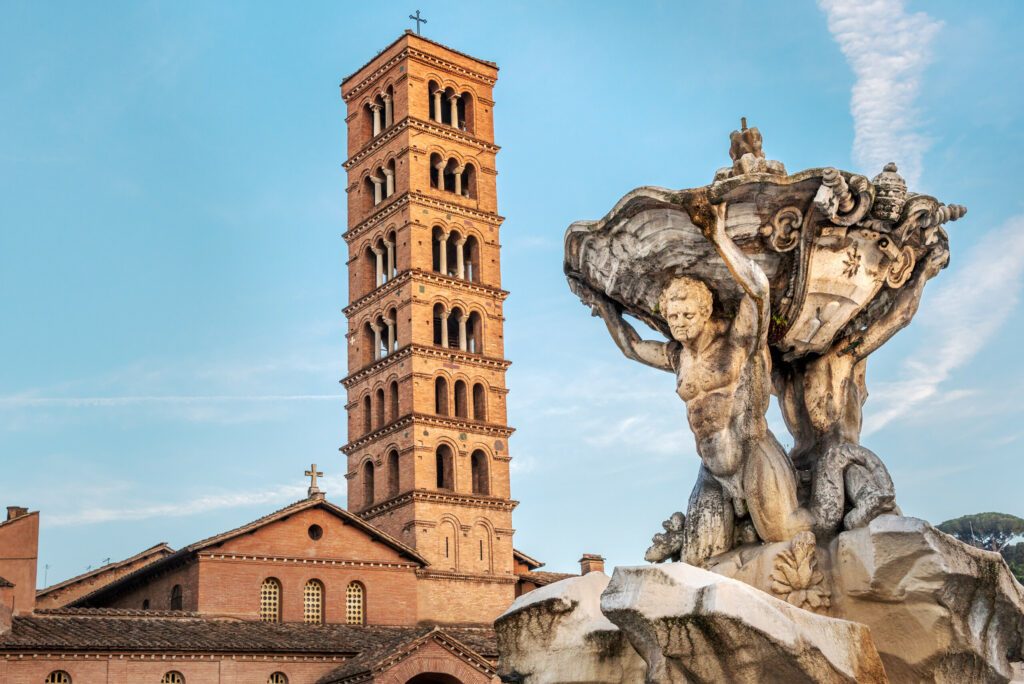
x=709, y=520
x=869, y=488
x=769, y=484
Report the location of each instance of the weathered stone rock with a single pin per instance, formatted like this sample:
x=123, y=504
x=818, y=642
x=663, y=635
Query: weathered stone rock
x=690, y=625
x=557, y=635
x=939, y=610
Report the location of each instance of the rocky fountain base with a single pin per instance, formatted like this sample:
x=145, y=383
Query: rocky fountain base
x=896, y=601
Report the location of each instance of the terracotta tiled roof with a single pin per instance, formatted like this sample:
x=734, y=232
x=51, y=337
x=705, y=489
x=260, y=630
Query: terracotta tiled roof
x=533, y=563
x=184, y=634
x=5, y=583
x=184, y=553
x=161, y=549
x=479, y=646
x=541, y=578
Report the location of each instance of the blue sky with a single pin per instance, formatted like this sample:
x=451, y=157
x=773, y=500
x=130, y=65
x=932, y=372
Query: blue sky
x=172, y=271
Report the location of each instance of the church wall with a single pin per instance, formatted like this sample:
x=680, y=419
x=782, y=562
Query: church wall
x=232, y=587
x=463, y=600
x=133, y=668
x=158, y=590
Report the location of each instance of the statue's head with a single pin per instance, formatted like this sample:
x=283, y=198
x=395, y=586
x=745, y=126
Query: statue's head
x=685, y=304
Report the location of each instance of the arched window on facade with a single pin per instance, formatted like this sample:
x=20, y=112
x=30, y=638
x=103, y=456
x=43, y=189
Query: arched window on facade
x=445, y=467
x=388, y=171
x=481, y=478
x=393, y=474
x=479, y=402
x=145, y=604
x=173, y=677
x=355, y=604
x=439, y=325
x=270, y=600
x=58, y=677
x=277, y=678
x=379, y=398
x=176, y=598
x=466, y=113
x=367, y=484
x=367, y=414
x=461, y=403
x=394, y=400
x=473, y=334
x=441, y=396
x=369, y=277
x=313, y=602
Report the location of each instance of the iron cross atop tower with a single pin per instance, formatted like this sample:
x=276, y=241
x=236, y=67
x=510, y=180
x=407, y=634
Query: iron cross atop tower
x=418, y=21
x=427, y=447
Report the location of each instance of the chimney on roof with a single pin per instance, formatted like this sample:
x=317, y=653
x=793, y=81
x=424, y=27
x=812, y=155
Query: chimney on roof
x=19, y=553
x=591, y=562
x=14, y=512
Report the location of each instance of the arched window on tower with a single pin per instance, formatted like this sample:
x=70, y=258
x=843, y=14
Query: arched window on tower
x=367, y=414
x=461, y=407
x=391, y=242
x=434, y=95
x=441, y=396
x=444, y=464
x=379, y=399
x=449, y=175
x=474, y=334
x=479, y=402
x=471, y=256
x=172, y=677
x=481, y=477
x=176, y=597
x=313, y=602
x=467, y=186
x=454, y=328
x=394, y=400
x=436, y=171
x=453, y=245
x=270, y=600
x=390, y=177
x=369, y=342
x=393, y=474
x=437, y=242
x=277, y=678
x=58, y=677
x=439, y=325
x=368, y=484
x=466, y=113
x=392, y=337
x=355, y=604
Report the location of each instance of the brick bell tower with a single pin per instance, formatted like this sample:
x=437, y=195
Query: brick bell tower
x=428, y=458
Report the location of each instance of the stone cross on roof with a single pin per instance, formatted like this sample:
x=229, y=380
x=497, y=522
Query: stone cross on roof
x=312, y=474
x=419, y=20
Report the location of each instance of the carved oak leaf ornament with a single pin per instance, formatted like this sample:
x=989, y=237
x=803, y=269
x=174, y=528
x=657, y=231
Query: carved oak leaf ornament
x=796, y=577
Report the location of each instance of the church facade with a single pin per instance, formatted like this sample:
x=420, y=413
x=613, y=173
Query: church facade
x=403, y=584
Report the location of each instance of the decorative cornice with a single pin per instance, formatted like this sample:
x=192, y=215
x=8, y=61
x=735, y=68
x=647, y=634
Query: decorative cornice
x=467, y=577
x=431, y=127
x=372, y=77
x=201, y=655
x=417, y=275
x=439, y=496
x=405, y=198
x=451, y=66
x=427, y=419
x=293, y=560
x=423, y=350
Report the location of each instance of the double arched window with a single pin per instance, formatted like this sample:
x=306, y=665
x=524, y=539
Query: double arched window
x=380, y=111
x=449, y=107
x=455, y=329
x=380, y=184
x=380, y=259
x=380, y=335
x=173, y=677
x=454, y=254
x=270, y=600
x=313, y=602
x=451, y=175
x=58, y=677
x=355, y=604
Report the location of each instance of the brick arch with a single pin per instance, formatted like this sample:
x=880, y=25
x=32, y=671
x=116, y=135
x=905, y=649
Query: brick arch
x=434, y=664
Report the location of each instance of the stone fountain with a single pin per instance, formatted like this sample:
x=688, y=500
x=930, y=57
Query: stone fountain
x=790, y=566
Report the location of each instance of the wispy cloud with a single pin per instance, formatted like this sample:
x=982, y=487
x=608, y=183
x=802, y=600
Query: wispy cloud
x=91, y=515
x=888, y=50
x=961, y=316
